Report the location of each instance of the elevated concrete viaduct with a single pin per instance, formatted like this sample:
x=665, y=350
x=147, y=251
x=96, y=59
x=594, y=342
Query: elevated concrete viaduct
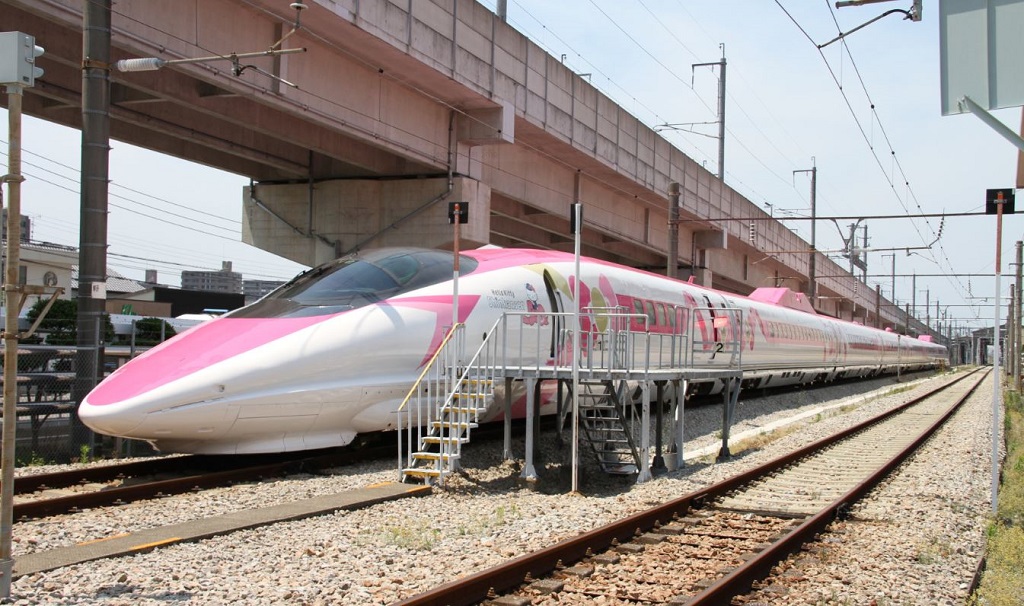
x=400, y=106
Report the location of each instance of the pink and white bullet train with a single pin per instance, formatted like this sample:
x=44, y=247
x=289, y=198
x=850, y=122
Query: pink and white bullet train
x=332, y=353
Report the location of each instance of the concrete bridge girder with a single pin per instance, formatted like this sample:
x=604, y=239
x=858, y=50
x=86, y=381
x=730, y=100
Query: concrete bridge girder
x=314, y=223
x=377, y=88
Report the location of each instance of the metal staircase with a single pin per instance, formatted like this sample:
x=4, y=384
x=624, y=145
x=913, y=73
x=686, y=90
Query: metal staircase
x=443, y=407
x=607, y=426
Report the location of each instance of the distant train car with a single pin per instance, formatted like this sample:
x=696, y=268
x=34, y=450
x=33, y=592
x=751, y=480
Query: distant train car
x=332, y=353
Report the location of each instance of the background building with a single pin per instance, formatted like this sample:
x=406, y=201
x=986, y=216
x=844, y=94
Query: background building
x=255, y=289
x=224, y=280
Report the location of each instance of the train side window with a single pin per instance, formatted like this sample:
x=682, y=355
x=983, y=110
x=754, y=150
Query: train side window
x=638, y=308
x=651, y=318
x=659, y=309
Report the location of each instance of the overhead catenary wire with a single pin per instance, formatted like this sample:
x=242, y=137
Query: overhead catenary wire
x=836, y=79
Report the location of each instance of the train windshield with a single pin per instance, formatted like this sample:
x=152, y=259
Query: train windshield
x=355, y=281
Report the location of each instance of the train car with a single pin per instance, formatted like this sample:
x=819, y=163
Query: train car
x=332, y=353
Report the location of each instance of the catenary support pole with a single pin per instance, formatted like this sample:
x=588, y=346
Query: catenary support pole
x=672, y=265
x=92, y=250
x=812, y=279
x=1017, y=324
x=997, y=387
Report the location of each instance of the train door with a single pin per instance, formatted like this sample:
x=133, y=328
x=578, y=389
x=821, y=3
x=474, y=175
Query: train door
x=557, y=340
x=833, y=343
x=721, y=326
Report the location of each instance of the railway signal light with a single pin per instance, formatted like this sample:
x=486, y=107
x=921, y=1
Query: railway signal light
x=18, y=53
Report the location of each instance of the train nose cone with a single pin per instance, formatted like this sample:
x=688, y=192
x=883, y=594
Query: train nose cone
x=110, y=419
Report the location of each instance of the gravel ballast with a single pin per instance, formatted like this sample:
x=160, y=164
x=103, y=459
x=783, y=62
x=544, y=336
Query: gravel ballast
x=916, y=540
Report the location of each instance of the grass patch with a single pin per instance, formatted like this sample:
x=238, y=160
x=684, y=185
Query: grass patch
x=762, y=439
x=898, y=390
x=418, y=536
x=502, y=515
x=1004, y=570
x=34, y=459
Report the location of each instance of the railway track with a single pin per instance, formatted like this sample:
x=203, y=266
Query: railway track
x=710, y=546
x=43, y=495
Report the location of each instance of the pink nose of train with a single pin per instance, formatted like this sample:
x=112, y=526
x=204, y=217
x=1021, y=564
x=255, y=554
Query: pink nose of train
x=189, y=369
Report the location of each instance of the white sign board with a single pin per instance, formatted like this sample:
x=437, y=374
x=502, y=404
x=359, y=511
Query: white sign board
x=981, y=52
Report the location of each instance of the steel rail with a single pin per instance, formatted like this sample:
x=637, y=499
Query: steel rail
x=228, y=470
x=477, y=587
x=196, y=481
x=741, y=579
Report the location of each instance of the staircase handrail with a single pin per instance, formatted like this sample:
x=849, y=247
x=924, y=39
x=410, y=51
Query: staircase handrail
x=430, y=363
x=457, y=385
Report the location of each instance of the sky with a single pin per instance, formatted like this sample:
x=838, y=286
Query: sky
x=865, y=112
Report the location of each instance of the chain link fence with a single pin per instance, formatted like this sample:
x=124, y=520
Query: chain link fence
x=47, y=428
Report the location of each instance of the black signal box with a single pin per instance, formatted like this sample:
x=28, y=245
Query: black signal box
x=991, y=204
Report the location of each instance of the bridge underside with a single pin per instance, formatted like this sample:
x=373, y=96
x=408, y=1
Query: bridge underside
x=399, y=109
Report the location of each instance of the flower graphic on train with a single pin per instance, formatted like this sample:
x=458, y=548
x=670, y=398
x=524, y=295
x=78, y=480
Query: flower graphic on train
x=533, y=304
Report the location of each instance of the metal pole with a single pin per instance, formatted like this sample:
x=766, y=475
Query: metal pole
x=853, y=234
x=812, y=287
x=455, y=263
x=997, y=387
x=913, y=294
x=878, y=306
x=672, y=266
x=502, y=10
x=92, y=251
x=814, y=230
x=721, y=118
x=1019, y=342
x=11, y=303
x=1010, y=337
x=864, y=257
x=928, y=307
x=577, y=210
x=893, y=286
x=721, y=110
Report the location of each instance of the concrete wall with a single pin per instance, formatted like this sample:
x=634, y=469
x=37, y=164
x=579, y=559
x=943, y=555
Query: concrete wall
x=314, y=224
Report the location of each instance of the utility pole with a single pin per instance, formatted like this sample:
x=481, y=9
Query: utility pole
x=1007, y=363
x=864, y=255
x=672, y=267
x=18, y=53
x=812, y=288
x=927, y=308
x=1017, y=321
x=878, y=306
x=1019, y=342
x=721, y=109
x=92, y=250
x=913, y=294
x=850, y=243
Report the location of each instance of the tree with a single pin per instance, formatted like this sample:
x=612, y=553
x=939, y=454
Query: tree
x=61, y=323
x=147, y=331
